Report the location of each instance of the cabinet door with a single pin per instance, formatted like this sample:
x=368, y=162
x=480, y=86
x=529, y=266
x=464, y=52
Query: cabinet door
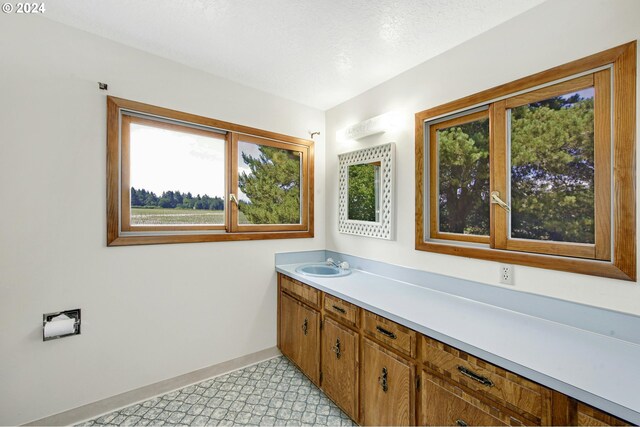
x=446, y=404
x=340, y=366
x=387, y=387
x=299, y=336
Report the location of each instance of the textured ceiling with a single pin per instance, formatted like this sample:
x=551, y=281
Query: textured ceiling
x=316, y=52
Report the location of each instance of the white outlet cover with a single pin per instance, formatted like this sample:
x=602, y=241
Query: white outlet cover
x=506, y=274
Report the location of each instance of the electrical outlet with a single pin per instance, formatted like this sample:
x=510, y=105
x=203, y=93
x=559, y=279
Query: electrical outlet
x=506, y=274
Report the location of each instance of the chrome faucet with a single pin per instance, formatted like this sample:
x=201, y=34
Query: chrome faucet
x=344, y=265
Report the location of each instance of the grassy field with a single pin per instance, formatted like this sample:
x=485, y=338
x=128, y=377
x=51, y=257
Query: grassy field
x=160, y=216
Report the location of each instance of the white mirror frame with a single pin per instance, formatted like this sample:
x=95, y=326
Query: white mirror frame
x=384, y=229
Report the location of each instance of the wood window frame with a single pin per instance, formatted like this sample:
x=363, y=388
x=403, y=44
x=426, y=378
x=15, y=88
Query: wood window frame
x=125, y=184
x=235, y=225
x=601, y=248
x=121, y=113
x=434, y=170
x=622, y=263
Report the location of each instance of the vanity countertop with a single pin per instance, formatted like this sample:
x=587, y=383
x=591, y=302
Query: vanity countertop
x=600, y=370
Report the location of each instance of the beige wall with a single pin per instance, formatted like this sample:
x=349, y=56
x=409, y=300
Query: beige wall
x=551, y=34
x=149, y=313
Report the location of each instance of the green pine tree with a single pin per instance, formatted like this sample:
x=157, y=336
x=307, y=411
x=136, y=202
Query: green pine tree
x=552, y=172
x=272, y=187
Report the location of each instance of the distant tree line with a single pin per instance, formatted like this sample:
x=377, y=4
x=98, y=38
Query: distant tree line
x=175, y=199
x=272, y=190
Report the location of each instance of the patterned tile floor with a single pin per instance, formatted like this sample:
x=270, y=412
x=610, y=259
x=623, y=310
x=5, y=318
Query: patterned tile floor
x=270, y=393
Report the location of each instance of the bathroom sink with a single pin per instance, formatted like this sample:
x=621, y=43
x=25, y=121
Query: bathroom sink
x=322, y=270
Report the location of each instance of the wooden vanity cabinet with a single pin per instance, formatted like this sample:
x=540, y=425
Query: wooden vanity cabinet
x=299, y=337
x=387, y=387
x=340, y=354
x=367, y=365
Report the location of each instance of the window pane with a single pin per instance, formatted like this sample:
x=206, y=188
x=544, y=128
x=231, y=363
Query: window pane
x=364, y=192
x=463, y=178
x=552, y=169
x=177, y=178
x=269, y=182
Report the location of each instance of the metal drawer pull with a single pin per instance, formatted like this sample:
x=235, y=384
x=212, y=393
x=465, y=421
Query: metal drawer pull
x=305, y=326
x=479, y=378
x=389, y=334
x=336, y=348
x=461, y=423
x=382, y=380
x=339, y=309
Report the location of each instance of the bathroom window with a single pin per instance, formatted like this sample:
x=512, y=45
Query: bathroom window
x=175, y=177
x=536, y=172
x=459, y=177
x=558, y=178
x=269, y=184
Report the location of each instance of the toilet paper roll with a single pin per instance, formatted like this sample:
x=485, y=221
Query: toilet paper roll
x=61, y=325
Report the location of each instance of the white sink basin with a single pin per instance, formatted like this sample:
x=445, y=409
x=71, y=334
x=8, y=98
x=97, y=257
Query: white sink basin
x=322, y=270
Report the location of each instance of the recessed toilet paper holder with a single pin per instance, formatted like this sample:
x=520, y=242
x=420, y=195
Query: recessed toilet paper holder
x=69, y=327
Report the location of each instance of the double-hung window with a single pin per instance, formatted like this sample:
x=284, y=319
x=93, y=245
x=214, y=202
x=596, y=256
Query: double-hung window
x=537, y=172
x=175, y=177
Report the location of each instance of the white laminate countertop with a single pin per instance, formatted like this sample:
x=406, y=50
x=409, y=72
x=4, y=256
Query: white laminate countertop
x=594, y=368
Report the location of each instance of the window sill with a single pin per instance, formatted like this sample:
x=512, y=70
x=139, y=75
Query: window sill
x=551, y=262
x=198, y=238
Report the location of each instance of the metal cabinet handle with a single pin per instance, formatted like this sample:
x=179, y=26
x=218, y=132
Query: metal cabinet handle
x=479, y=378
x=305, y=326
x=383, y=331
x=382, y=380
x=336, y=348
x=339, y=309
x=461, y=423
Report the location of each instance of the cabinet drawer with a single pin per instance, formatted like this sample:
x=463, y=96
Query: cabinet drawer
x=445, y=404
x=343, y=310
x=394, y=335
x=303, y=292
x=506, y=388
x=588, y=416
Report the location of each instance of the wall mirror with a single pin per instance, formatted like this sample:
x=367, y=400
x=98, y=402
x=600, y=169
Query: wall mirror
x=366, y=192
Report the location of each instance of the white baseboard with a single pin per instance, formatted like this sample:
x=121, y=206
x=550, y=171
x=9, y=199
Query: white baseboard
x=127, y=398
